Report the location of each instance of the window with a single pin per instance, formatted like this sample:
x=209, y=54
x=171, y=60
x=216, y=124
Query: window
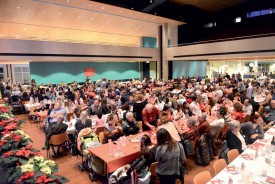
x=21, y=73
x=259, y=13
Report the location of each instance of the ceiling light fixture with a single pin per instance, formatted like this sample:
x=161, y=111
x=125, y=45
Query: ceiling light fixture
x=102, y=8
x=90, y=5
x=25, y=29
x=58, y=13
x=132, y=8
x=68, y=1
x=44, y=11
x=18, y=7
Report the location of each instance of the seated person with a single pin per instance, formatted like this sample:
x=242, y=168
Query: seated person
x=266, y=124
x=76, y=113
x=130, y=125
x=237, y=114
x=166, y=123
x=218, y=123
x=150, y=117
x=112, y=129
x=57, y=110
x=271, y=108
x=58, y=128
x=148, y=149
x=234, y=138
x=253, y=130
x=99, y=121
x=247, y=109
x=83, y=122
x=203, y=126
x=193, y=133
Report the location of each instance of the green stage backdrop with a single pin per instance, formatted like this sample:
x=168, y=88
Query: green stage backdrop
x=55, y=72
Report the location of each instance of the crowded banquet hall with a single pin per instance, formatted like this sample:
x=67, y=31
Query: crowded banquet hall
x=137, y=91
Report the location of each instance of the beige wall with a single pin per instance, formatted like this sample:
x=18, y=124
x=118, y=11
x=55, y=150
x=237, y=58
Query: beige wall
x=264, y=43
x=43, y=47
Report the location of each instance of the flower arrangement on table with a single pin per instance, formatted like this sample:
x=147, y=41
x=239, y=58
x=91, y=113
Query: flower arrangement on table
x=22, y=163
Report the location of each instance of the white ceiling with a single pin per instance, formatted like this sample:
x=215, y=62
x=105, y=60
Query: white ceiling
x=81, y=20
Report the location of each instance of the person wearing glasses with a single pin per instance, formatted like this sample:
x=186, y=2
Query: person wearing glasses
x=234, y=138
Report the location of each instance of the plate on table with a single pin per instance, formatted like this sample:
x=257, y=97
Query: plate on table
x=135, y=140
x=245, y=156
x=270, y=180
x=230, y=168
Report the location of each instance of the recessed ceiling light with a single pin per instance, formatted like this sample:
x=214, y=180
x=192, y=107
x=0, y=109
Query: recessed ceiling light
x=25, y=29
x=79, y=16
x=18, y=7
x=68, y=1
x=58, y=32
x=15, y=19
x=44, y=11
x=155, y=13
x=92, y=18
x=102, y=8
x=90, y=5
x=132, y=8
x=59, y=13
x=120, y=11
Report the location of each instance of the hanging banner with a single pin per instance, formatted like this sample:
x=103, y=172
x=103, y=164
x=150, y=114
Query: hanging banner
x=89, y=72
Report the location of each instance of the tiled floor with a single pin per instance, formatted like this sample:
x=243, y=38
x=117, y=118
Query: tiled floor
x=68, y=167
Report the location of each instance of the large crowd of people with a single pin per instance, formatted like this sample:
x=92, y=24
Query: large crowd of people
x=246, y=107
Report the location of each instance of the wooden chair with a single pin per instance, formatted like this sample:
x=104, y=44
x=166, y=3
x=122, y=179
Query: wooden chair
x=260, y=109
x=232, y=154
x=219, y=165
x=101, y=137
x=140, y=125
x=57, y=141
x=153, y=172
x=69, y=116
x=202, y=177
x=207, y=109
x=247, y=118
x=99, y=129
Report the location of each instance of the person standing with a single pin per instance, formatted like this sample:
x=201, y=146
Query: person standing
x=169, y=155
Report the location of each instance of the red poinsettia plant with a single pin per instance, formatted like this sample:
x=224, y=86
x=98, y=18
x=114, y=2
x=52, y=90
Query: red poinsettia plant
x=3, y=109
x=13, y=139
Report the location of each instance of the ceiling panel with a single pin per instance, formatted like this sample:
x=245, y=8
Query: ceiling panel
x=76, y=20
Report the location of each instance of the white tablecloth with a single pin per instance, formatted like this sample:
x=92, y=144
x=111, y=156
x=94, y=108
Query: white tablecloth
x=71, y=126
x=254, y=167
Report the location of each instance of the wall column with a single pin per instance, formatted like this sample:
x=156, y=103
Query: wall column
x=164, y=51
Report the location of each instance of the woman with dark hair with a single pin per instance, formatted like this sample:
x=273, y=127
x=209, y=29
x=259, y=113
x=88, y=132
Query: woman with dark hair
x=169, y=155
x=253, y=130
x=237, y=114
x=186, y=110
x=104, y=107
x=113, y=130
x=147, y=149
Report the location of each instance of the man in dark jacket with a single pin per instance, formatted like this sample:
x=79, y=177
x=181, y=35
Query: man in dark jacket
x=58, y=128
x=130, y=126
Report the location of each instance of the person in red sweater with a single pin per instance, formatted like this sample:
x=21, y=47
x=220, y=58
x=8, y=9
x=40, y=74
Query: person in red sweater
x=203, y=126
x=150, y=115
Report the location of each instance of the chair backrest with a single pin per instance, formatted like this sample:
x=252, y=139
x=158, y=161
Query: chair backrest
x=153, y=169
x=247, y=118
x=232, y=154
x=219, y=165
x=101, y=137
x=58, y=139
x=178, y=181
x=202, y=177
x=32, y=108
x=69, y=116
x=99, y=129
x=140, y=125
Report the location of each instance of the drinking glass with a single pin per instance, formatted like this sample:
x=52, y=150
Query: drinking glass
x=110, y=146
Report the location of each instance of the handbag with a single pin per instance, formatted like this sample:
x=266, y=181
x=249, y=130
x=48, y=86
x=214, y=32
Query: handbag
x=188, y=147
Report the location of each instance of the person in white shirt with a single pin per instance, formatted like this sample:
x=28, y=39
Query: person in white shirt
x=247, y=109
x=195, y=106
x=249, y=91
x=218, y=123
